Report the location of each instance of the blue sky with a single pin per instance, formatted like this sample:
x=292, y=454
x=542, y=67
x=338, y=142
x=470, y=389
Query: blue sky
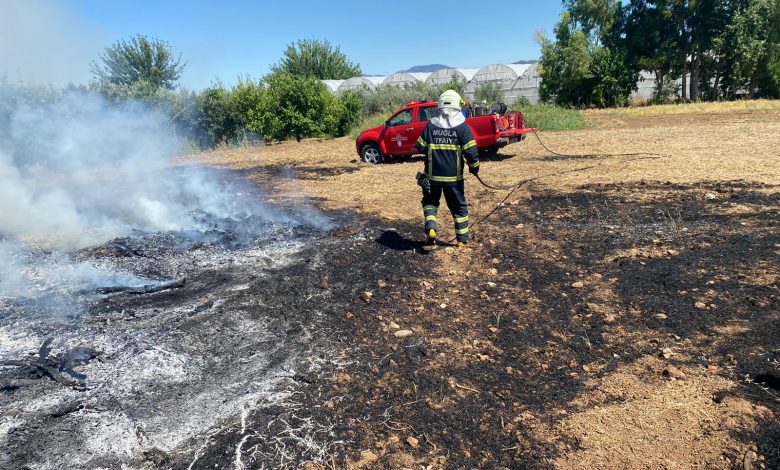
x=231, y=38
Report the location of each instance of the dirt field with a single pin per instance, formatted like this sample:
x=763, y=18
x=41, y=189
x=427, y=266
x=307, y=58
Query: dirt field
x=616, y=316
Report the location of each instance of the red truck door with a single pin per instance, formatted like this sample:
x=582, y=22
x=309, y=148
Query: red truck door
x=424, y=114
x=399, y=138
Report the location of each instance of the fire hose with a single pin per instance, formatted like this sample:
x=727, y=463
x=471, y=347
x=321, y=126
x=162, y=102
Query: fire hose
x=628, y=157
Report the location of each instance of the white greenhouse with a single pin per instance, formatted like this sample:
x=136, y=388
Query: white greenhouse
x=444, y=76
x=355, y=83
x=405, y=78
x=333, y=85
x=515, y=80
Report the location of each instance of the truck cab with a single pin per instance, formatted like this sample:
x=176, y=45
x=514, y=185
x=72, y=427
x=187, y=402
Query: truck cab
x=399, y=133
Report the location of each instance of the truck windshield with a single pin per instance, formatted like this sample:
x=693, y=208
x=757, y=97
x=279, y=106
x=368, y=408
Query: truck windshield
x=404, y=117
x=427, y=113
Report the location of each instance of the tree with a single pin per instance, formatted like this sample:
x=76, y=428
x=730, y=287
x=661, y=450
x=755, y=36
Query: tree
x=769, y=73
x=650, y=38
x=299, y=106
x=319, y=59
x=596, y=17
x=744, y=45
x=139, y=60
x=564, y=63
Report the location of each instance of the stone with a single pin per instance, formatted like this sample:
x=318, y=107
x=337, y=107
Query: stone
x=403, y=333
x=609, y=319
x=700, y=305
x=412, y=441
x=749, y=461
x=666, y=353
x=673, y=373
x=367, y=296
x=710, y=197
x=491, y=284
x=395, y=325
x=381, y=283
x=577, y=285
x=661, y=316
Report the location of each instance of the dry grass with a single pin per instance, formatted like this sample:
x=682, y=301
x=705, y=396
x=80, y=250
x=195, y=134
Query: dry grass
x=692, y=108
x=698, y=147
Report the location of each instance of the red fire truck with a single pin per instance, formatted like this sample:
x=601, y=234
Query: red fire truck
x=493, y=128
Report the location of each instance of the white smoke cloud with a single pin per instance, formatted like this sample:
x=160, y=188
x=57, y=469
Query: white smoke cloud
x=42, y=42
x=77, y=171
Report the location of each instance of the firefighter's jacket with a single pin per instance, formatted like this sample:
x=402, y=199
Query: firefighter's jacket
x=445, y=150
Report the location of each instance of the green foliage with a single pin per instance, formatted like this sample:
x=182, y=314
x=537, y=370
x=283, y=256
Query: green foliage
x=489, y=92
x=769, y=70
x=609, y=80
x=386, y=98
x=319, y=59
x=597, y=17
x=564, y=64
x=367, y=122
x=550, y=117
x=141, y=63
x=224, y=114
x=217, y=118
x=299, y=106
x=716, y=48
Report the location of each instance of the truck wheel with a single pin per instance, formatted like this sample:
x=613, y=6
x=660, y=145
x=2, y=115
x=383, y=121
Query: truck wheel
x=370, y=153
x=489, y=151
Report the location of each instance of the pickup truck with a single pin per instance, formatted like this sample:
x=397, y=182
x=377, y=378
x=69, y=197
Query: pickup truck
x=397, y=136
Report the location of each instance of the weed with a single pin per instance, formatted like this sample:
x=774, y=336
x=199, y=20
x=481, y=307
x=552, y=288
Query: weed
x=553, y=118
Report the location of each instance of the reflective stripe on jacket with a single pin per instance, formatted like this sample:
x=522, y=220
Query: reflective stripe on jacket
x=445, y=150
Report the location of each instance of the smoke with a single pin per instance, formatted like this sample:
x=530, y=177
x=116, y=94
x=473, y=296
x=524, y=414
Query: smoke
x=77, y=171
x=40, y=41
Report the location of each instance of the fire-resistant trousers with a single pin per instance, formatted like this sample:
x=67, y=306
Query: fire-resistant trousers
x=456, y=202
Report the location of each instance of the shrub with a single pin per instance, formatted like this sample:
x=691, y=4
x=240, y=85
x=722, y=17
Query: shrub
x=297, y=106
x=490, y=92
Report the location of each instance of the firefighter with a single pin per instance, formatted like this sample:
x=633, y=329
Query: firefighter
x=446, y=141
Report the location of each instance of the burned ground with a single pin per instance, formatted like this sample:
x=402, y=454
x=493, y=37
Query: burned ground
x=614, y=317
x=531, y=346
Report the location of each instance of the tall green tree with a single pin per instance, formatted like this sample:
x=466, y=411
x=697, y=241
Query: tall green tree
x=315, y=58
x=744, y=44
x=769, y=69
x=650, y=38
x=139, y=60
x=564, y=63
x=596, y=17
x=586, y=64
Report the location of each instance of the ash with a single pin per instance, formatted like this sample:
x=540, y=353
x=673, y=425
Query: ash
x=189, y=333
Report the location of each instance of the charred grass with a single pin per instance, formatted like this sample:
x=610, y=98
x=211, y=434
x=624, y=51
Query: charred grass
x=614, y=317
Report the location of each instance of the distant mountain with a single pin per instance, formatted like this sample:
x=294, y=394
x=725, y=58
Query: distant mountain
x=426, y=68
x=525, y=62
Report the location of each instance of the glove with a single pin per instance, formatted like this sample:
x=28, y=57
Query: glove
x=422, y=180
x=474, y=170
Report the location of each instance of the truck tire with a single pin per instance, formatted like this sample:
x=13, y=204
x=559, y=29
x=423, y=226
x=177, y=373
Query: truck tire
x=370, y=153
x=489, y=151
